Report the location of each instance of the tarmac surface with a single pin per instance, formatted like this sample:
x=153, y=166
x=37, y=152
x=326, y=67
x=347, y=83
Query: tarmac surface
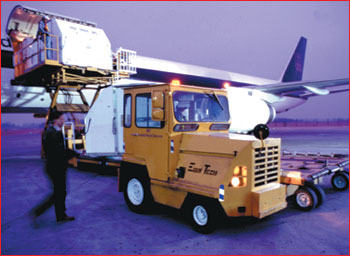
x=104, y=224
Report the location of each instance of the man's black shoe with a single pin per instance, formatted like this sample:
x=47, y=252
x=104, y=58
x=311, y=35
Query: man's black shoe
x=66, y=218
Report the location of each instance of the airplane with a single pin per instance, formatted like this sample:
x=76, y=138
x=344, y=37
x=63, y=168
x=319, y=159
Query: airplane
x=258, y=98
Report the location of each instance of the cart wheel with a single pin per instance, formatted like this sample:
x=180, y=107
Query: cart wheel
x=321, y=195
x=305, y=199
x=340, y=181
x=201, y=216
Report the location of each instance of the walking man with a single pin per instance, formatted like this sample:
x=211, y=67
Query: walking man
x=56, y=167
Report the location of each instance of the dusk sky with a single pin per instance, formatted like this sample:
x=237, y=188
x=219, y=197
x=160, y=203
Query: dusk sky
x=254, y=38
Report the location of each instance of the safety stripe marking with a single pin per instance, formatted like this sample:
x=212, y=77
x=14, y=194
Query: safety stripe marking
x=221, y=193
x=171, y=146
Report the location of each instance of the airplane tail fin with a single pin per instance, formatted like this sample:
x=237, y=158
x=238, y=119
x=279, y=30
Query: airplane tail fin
x=294, y=70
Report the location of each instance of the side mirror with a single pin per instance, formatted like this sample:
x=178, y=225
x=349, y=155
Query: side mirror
x=157, y=99
x=158, y=106
x=157, y=114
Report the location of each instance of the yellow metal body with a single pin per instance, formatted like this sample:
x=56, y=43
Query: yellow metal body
x=202, y=161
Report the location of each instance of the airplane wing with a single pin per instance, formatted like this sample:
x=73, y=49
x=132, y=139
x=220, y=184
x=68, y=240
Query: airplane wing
x=256, y=97
x=305, y=89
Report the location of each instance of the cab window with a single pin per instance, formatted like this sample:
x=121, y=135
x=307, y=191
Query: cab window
x=127, y=110
x=144, y=112
x=200, y=107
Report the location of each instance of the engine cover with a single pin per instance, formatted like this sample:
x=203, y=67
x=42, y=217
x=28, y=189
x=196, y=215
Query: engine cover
x=248, y=110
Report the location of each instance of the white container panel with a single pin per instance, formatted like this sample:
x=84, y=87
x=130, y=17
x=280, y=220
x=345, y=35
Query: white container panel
x=103, y=124
x=119, y=111
x=82, y=46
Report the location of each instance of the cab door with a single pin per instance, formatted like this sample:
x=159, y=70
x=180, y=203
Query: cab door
x=146, y=140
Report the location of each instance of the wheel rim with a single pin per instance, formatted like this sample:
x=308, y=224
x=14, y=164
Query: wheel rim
x=200, y=215
x=303, y=199
x=339, y=181
x=135, y=191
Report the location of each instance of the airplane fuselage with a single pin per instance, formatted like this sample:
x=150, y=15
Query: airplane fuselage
x=260, y=107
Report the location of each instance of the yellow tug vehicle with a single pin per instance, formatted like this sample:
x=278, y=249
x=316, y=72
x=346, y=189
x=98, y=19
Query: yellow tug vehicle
x=178, y=152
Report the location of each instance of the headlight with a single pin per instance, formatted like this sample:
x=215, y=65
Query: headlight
x=235, y=181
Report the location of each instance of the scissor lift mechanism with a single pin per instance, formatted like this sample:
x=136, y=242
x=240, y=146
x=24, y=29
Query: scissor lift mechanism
x=36, y=69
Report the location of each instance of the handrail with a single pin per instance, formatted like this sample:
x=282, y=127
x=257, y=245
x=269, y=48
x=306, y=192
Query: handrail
x=65, y=139
x=30, y=55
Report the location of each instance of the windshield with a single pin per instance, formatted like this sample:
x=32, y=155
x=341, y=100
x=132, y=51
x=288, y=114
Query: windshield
x=200, y=107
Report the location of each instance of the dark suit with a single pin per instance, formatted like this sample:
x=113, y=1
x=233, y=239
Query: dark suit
x=56, y=168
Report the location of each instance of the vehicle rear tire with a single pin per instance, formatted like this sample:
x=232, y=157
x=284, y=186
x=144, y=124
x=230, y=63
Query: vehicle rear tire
x=137, y=194
x=321, y=195
x=305, y=199
x=340, y=181
x=202, y=216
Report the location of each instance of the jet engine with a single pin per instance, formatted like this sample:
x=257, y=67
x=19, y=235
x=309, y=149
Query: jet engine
x=248, y=109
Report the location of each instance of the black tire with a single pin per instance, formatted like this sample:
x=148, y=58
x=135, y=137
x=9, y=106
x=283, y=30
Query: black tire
x=137, y=194
x=305, y=199
x=340, y=181
x=321, y=195
x=201, y=215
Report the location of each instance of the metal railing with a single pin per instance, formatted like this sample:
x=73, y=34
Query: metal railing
x=124, y=62
x=32, y=53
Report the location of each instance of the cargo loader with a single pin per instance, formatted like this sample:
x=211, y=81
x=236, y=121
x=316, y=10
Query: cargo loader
x=169, y=143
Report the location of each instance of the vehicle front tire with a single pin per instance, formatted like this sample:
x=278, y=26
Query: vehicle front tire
x=201, y=216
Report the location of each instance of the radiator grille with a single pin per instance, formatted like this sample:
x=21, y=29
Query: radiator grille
x=266, y=167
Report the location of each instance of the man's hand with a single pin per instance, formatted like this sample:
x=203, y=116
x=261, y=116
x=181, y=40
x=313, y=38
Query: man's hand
x=73, y=161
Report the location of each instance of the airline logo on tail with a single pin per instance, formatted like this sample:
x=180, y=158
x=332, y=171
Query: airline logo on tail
x=294, y=70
